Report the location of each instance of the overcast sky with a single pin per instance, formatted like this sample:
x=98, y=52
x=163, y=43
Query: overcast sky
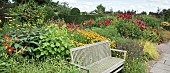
x=139, y=5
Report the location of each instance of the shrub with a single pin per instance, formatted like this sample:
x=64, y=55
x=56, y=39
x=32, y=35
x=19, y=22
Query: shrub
x=75, y=11
x=151, y=21
x=137, y=29
x=166, y=25
x=150, y=50
x=108, y=32
x=31, y=13
x=21, y=42
x=84, y=37
x=135, y=61
x=49, y=65
x=77, y=19
x=54, y=42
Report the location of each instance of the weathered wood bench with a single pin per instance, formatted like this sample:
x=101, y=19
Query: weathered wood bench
x=96, y=58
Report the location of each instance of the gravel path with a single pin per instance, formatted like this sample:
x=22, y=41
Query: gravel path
x=163, y=65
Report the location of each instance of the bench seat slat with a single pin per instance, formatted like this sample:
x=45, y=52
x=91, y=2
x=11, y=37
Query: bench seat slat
x=105, y=66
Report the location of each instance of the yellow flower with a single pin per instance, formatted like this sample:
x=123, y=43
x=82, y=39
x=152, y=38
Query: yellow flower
x=72, y=34
x=165, y=24
x=80, y=44
x=8, y=17
x=10, y=20
x=10, y=24
x=0, y=21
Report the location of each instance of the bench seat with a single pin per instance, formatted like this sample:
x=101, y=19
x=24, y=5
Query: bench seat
x=106, y=65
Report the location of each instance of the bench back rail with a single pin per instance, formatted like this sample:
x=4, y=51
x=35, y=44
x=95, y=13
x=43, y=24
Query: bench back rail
x=89, y=54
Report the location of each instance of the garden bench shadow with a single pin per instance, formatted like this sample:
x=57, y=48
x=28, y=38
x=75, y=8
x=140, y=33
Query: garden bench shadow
x=96, y=58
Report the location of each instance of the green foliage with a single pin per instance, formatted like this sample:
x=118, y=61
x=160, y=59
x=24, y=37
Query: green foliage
x=149, y=20
x=31, y=13
x=108, y=32
x=143, y=13
x=37, y=1
x=77, y=19
x=62, y=8
x=55, y=42
x=135, y=66
x=134, y=48
x=135, y=31
x=49, y=65
x=75, y=11
x=150, y=50
x=135, y=60
x=23, y=41
x=100, y=9
x=166, y=14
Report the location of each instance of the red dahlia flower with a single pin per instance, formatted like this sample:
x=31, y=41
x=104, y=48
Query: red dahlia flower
x=6, y=36
x=10, y=50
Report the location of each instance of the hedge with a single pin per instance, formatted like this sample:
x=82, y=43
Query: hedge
x=77, y=19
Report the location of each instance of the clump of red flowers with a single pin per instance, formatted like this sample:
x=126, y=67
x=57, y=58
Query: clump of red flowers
x=124, y=16
x=72, y=26
x=141, y=25
x=105, y=22
x=9, y=49
x=88, y=22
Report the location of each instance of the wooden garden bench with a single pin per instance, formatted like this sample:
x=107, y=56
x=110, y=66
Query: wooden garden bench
x=96, y=58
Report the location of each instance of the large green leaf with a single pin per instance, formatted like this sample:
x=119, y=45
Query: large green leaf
x=52, y=45
x=57, y=44
x=17, y=46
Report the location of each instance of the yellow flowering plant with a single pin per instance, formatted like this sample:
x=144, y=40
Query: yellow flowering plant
x=84, y=37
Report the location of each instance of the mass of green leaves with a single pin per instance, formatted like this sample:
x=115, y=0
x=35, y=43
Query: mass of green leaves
x=55, y=41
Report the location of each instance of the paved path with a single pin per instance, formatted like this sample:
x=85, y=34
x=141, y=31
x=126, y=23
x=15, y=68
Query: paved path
x=163, y=65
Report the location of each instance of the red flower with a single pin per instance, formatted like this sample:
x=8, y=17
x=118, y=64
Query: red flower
x=111, y=19
x=139, y=22
x=6, y=44
x=6, y=36
x=129, y=16
x=157, y=33
x=106, y=22
x=119, y=15
x=77, y=26
x=91, y=21
x=154, y=29
x=125, y=15
x=99, y=24
x=124, y=29
x=128, y=21
x=10, y=50
x=142, y=28
x=125, y=36
x=159, y=43
x=85, y=22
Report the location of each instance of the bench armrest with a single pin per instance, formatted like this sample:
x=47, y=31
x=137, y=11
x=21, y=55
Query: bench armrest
x=125, y=52
x=80, y=66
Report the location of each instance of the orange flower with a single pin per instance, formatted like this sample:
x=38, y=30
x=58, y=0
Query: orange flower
x=16, y=38
x=6, y=36
x=10, y=50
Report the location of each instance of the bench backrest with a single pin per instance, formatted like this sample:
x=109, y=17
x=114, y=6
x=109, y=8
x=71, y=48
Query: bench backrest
x=86, y=55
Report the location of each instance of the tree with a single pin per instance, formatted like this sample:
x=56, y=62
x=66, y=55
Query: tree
x=100, y=9
x=75, y=11
x=4, y=6
x=37, y=1
x=166, y=14
x=143, y=13
x=63, y=8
